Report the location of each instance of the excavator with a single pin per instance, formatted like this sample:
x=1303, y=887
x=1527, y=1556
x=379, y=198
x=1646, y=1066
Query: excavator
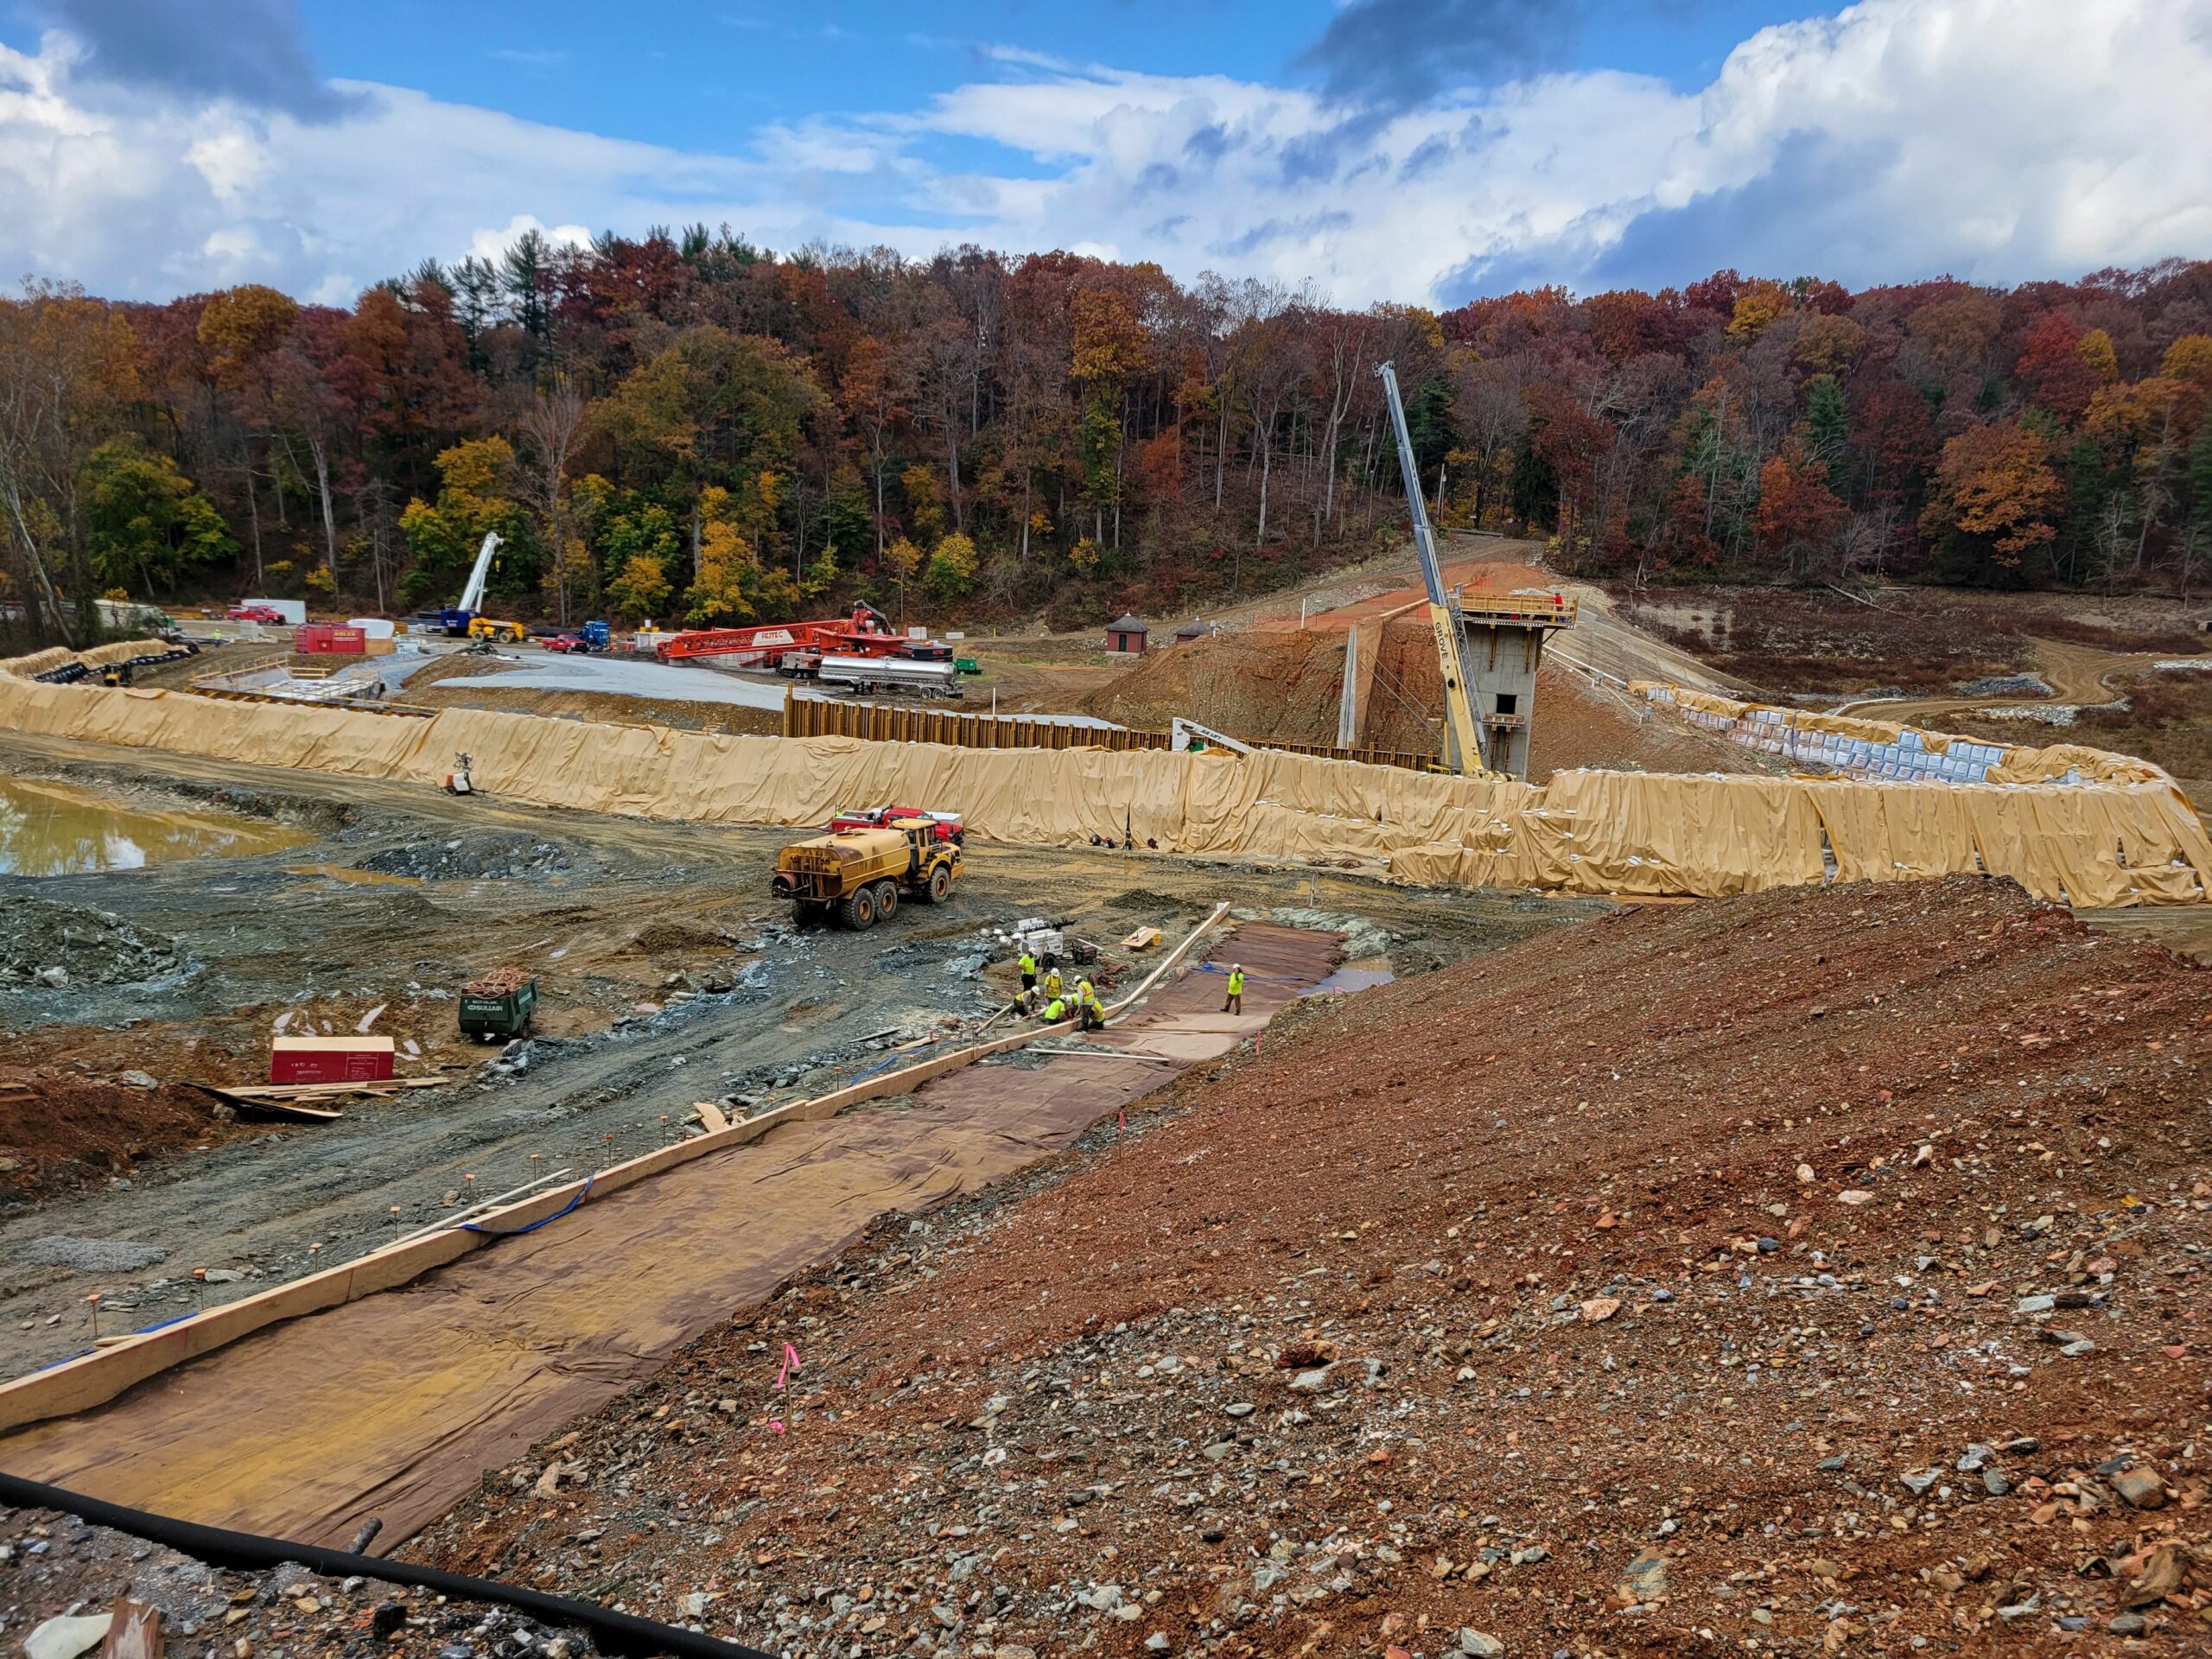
x=1463, y=741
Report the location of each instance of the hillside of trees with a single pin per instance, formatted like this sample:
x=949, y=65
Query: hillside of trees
x=687, y=427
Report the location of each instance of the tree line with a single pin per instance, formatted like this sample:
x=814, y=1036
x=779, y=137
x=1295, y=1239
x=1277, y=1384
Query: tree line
x=686, y=427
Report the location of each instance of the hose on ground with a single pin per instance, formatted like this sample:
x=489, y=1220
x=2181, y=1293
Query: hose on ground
x=622, y=1634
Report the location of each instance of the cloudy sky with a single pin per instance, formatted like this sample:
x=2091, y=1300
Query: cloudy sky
x=1419, y=150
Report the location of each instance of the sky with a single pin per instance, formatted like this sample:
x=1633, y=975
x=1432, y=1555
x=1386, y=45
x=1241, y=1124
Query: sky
x=1416, y=151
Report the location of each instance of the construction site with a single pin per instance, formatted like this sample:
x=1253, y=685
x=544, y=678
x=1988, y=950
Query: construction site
x=1434, y=1115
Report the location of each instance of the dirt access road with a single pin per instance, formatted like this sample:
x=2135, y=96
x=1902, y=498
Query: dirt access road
x=408, y=893
x=2080, y=675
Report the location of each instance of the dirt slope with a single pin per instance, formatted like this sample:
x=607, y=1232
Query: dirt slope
x=1815, y=1272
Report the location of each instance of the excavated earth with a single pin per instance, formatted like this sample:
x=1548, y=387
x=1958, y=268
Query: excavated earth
x=667, y=974
x=1813, y=1273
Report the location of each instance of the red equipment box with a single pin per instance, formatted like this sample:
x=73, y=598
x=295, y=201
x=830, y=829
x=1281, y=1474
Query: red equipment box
x=327, y=640
x=330, y=1059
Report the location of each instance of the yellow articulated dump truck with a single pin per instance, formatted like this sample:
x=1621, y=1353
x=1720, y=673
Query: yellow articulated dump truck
x=487, y=627
x=858, y=875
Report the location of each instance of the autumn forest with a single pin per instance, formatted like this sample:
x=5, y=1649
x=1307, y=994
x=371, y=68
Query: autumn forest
x=683, y=427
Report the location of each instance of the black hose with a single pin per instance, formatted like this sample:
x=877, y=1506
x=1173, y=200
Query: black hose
x=612, y=1632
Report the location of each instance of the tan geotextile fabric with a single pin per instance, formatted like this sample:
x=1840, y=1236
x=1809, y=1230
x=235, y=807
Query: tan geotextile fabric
x=395, y=1405
x=2131, y=838
x=53, y=656
x=2020, y=765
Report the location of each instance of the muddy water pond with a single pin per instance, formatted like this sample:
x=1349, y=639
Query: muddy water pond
x=48, y=828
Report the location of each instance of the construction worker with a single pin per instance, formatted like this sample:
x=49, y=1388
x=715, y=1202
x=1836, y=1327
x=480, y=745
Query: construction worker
x=1055, y=1011
x=1025, y=1001
x=1087, y=1008
x=1053, y=982
x=1027, y=963
x=1236, y=1003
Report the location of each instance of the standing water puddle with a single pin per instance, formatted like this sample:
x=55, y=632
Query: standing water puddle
x=55, y=829
x=1348, y=979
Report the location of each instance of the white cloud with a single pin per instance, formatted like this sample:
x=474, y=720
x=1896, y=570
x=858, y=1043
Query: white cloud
x=1995, y=138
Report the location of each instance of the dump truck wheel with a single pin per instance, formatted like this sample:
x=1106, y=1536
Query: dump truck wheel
x=886, y=902
x=940, y=884
x=857, y=910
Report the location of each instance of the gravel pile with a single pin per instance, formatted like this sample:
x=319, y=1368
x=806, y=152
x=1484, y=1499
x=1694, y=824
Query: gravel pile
x=472, y=858
x=48, y=946
x=54, y=1565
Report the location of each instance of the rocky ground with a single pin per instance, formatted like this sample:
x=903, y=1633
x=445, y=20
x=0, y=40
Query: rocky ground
x=55, y=1566
x=1816, y=1271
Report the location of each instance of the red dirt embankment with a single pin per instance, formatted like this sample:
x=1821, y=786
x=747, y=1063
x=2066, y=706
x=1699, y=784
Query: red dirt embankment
x=61, y=1131
x=1812, y=1271
x=1284, y=685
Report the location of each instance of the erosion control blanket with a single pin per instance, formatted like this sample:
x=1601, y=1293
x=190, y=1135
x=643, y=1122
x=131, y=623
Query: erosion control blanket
x=395, y=1405
x=2125, y=835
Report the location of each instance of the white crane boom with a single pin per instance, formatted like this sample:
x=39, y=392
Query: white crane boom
x=471, y=597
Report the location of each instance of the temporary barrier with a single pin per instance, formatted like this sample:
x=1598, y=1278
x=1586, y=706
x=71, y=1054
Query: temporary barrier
x=882, y=723
x=2126, y=836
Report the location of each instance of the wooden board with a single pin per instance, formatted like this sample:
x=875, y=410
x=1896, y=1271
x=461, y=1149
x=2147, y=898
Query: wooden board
x=279, y=1107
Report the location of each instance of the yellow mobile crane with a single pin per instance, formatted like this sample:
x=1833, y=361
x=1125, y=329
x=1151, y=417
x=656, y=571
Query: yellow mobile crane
x=1463, y=741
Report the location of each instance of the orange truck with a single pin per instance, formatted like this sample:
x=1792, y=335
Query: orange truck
x=858, y=875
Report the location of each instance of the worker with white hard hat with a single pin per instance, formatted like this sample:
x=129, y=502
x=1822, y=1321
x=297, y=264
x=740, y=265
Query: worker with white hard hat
x=1235, y=1003
x=1086, y=1006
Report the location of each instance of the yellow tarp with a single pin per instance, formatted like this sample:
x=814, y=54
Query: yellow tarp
x=2131, y=838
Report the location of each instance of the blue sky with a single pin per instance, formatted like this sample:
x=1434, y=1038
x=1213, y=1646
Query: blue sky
x=1421, y=152
x=700, y=73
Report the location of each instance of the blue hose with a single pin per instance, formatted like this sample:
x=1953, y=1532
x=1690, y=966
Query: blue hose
x=517, y=1232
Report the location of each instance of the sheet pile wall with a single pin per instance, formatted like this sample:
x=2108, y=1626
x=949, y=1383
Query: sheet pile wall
x=2132, y=839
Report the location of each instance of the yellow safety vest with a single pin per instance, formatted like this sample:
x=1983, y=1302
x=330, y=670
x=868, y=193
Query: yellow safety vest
x=1236, y=982
x=1053, y=982
x=1027, y=962
x=1055, y=1009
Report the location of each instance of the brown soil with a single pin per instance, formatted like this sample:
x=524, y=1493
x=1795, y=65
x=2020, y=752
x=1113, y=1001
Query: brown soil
x=1924, y=641
x=61, y=1130
x=1280, y=686
x=1600, y=1295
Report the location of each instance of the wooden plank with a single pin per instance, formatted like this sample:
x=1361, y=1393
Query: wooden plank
x=276, y=1107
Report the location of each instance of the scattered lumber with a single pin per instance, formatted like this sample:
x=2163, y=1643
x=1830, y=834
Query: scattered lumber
x=710, y=1115
x=314, y=1101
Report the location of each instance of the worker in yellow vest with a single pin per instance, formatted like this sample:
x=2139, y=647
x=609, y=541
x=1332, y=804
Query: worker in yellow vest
x=1027, y=963
x=1055, y=1011
x=1086, y=1004
x=1236, y=1003
x=1052, y=982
